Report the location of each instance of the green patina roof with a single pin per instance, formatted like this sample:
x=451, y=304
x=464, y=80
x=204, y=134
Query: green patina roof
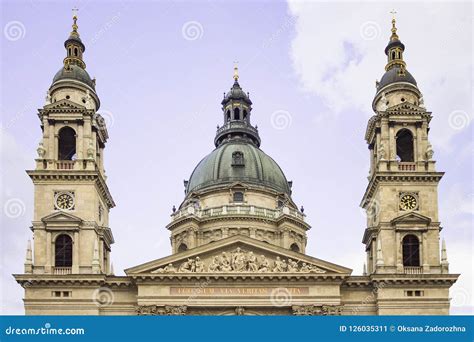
x=216, y=169
x=74, y=72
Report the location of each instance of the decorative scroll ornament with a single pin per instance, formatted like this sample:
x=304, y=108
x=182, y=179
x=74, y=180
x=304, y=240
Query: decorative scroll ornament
x=241, y=261
x=314, y=310
x=167, y=310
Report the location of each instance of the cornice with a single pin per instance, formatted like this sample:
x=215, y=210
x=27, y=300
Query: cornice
x=389, y=176
x=77, y=175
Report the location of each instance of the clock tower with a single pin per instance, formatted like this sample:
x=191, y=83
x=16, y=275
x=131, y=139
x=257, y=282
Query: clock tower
x=401, y=199
x=71, y=231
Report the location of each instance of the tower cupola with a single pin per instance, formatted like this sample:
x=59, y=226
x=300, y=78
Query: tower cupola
x=236, y=107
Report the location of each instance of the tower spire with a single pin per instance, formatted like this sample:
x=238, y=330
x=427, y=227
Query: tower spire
x=395, y=49
x=236, y=107
x=394, y=27
x=74, y=46
x=236, y=71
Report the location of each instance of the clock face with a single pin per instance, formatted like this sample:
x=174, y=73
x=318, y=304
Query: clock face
x=65, y=201
x=408, y=202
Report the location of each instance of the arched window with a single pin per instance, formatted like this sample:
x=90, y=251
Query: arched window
x=405, y=145
x=295, y=248
x=75, y=51
x=182, y=247
x=393, y=54
x=67, y=144
x=69, y=50
x=63, y=251
x=411, y=251
x=228, y=115
x=245, y=114
x=238, y=196
x=236, y=114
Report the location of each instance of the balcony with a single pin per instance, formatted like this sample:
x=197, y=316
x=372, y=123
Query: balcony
x=413, y=270
x=236, y=210
x=65, y=165
x=62, y=270
x=406, y=166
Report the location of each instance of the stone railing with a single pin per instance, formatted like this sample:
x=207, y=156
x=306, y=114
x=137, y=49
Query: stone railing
x=236, y=125
x=233, y=210
x=65, y=165
x=413, y=270
x=406, y=166
x=62, y=270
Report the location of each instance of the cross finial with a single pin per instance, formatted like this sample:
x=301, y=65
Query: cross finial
x=74, y=12
x=236, y=70
x=393, y=12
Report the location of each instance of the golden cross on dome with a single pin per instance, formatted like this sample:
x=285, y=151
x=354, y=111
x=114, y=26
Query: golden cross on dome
x=236, y=71
x=74, y=12
x=393, y=14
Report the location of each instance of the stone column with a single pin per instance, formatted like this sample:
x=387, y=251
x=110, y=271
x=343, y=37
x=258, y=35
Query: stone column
x=49, y=246
x=75, y=256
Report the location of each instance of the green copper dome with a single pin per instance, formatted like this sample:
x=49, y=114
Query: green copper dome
x=74, y=72
x=238, y=161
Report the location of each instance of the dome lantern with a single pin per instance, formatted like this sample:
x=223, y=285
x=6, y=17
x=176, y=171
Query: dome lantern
x=236, y=108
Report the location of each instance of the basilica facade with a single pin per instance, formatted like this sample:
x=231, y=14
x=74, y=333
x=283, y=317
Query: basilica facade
x=238, y=240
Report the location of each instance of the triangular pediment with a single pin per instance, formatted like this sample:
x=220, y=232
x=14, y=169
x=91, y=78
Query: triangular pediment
x=411, y=218
x=61, y=216
x=64, y=104
x=238, y=254
x=406, y=107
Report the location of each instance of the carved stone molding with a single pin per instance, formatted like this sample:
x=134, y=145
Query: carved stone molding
x=240, y=261
x=167, y=310
x=315, y=310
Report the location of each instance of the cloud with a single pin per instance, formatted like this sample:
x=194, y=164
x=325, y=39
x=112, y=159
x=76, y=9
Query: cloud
x=338, y=53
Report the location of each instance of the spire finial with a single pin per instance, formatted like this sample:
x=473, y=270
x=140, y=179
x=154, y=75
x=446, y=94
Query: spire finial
x=394, y=27
x=236, y=71
x=74, y=24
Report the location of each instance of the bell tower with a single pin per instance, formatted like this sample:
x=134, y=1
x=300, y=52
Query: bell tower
x=71, y=233
x=401, y=199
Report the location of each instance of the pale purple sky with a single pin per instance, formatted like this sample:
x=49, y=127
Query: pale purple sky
x=310, y=68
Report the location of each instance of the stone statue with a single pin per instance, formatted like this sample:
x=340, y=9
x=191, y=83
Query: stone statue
x=264, y=264
x=238, y=260
x=292, y=266
x=422, y=102
x=278, y=265
x=169, y=269
x=252, y=262
x=225, y=263
x=90, y=151
x=383, y=102
x=305, y=268
x=41, y=150
x=48, y=97
x=214, y=265
x=382, y=151
x=429, y=152
x=88, y=98
x=199, y=265
x=185, y=266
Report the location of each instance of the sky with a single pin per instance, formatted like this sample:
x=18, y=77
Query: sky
x=310, y=67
